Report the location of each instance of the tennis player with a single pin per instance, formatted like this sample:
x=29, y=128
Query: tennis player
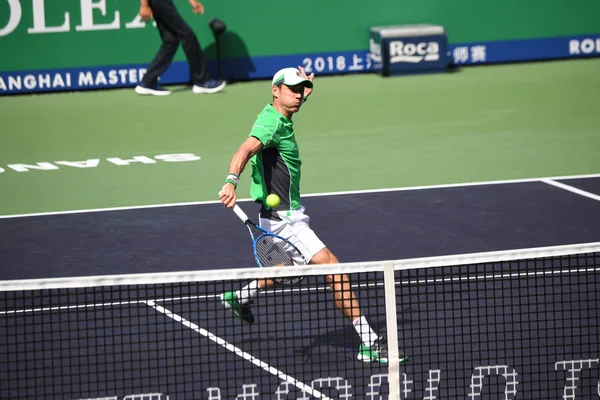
x=272, y=149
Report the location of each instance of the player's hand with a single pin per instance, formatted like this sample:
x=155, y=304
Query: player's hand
x=227, y=195
x=145, y=13
x=307, y=91
x=197, y=7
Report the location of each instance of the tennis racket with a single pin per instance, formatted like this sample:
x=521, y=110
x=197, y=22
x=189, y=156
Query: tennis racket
x=271, y=250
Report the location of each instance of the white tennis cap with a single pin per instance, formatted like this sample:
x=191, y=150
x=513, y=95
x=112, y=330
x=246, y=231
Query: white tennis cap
x=290, y=77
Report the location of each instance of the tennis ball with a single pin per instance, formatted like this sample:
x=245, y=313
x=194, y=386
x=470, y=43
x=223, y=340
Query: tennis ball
x=273, y=201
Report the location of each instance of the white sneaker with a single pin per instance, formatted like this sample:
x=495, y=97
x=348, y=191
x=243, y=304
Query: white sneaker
x=154, y=91
x=210, y=86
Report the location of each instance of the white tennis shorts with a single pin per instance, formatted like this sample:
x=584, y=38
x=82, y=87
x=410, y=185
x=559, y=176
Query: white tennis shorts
x=294, y=226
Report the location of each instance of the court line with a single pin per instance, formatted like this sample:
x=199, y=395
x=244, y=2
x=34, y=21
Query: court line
x=501, y=276
x=218, y=340
x=239, y=352
x=571, y=189
x=350, y=192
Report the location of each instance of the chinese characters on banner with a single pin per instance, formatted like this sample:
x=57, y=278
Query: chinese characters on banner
x=470, y=55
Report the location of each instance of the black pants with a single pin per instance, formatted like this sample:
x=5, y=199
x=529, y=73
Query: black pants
x=174, y=30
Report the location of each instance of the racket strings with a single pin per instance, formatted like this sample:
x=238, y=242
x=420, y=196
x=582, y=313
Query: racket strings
x=272, y=251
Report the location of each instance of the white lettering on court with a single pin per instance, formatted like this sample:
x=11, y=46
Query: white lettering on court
x=46, y=166
x=140, y=159
x=510, y=388
x=95, y=162
x=91, y=163
x=574, y=368
x=183, y=157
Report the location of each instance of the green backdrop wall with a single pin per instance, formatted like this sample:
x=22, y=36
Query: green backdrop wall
x=81, y=33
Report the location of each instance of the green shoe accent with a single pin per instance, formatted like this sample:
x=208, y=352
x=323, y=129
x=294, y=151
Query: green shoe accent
x=378, y=352
x=242, y=311
x=369, y=354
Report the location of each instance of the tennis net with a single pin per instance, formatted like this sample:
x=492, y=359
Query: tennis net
x=501, y=325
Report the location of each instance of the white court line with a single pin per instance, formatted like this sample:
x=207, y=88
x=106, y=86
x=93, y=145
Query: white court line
x=278, y=291
x=239, y=352
x=195, y=203
x=501, y=276
x=571, y=189
x=109, y=304
x=222, y=342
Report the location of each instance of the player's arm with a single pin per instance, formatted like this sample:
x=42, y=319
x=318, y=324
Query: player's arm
x=244, y=153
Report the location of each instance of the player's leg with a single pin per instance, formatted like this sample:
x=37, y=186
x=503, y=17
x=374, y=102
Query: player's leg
x=231, y=301
x=345, y=299
x=373, y=347
x=240, y=301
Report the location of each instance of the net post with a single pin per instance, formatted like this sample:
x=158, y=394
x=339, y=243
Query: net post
x=392, y=330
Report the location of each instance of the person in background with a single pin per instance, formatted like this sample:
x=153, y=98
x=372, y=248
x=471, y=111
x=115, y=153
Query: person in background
x=174, y=30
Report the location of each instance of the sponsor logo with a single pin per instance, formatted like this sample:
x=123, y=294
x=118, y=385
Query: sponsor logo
x=17, y=82
x=585, y=46
x=374, y=51
x=86, y=18
x=414, y=53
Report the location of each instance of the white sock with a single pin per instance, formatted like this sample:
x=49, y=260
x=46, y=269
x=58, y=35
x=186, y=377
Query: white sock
x=364, y=331
x=248, y=292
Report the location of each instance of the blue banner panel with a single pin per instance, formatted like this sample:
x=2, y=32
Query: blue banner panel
x=238, y=69
x=525, y=50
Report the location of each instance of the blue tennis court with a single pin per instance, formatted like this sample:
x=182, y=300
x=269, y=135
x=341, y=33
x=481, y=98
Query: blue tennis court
x=176, y=341
x=357, y=226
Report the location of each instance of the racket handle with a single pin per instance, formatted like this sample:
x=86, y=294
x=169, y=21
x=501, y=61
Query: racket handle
x=240, y=213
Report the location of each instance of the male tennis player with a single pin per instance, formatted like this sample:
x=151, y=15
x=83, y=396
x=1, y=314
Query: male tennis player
x=273, y=151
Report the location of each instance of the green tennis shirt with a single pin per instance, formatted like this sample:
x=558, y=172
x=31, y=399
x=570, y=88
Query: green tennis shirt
x=276, y=169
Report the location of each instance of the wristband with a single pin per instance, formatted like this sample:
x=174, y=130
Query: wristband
x=233, y=179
